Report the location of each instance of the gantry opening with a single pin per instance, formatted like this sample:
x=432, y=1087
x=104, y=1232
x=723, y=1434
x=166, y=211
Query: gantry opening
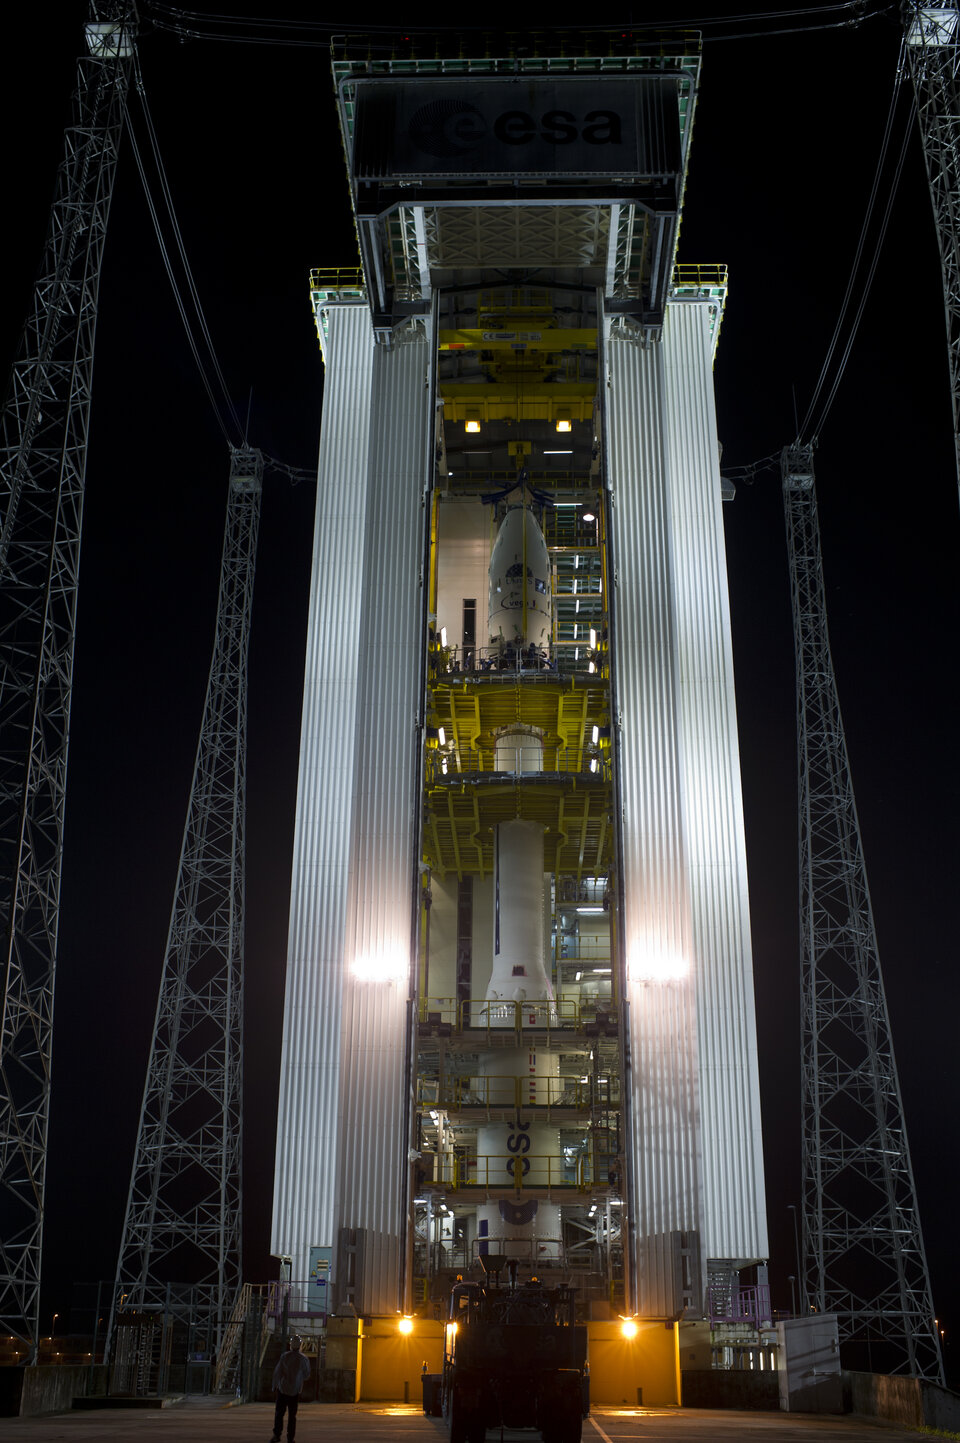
x=518, y=1098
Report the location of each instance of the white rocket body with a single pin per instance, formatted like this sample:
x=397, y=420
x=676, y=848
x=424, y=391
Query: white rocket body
x=519, y=1154
x=519, y=972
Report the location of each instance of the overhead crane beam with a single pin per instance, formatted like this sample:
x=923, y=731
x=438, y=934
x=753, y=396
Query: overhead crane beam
x=43, y=446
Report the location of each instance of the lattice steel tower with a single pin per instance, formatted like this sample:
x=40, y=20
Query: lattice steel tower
x=932, y=33
x=43, y=442
x=182, y=1231
x=863, y=1254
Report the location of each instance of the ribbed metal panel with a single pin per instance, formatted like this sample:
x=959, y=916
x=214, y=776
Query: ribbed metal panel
x=733, y=1210
x=373, y=1093
x=657, y=927
x=305, y=1211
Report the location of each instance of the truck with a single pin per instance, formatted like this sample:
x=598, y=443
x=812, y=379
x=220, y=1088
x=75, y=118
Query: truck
x=514, y=1357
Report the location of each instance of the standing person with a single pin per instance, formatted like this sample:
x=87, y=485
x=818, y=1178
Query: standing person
x=289, y=1376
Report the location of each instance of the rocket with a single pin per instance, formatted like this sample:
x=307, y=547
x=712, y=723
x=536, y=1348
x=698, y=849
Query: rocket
x=520, y=1152
x=520, y=621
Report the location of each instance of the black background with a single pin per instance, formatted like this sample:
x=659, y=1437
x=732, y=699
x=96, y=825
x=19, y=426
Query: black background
x=786, y=138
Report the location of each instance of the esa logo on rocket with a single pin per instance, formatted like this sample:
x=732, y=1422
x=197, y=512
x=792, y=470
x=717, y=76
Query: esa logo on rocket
x=448, y=127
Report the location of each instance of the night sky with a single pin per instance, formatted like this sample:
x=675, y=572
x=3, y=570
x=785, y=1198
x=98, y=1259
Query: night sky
x=786, y=138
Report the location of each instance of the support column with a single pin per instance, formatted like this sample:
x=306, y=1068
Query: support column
x=663, y=1125
x=734, y=1220
x=305, y=1209
x=378, y=976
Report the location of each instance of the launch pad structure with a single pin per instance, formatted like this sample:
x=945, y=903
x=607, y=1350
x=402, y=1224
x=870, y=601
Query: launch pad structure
x=519, y=1019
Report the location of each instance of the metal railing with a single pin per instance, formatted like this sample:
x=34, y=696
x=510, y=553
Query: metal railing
x=561, y=1014
x=499, y=1170
x=457, y=1094
x=703, y=277
x=749, y=1305
x=337, y=282
x=505, y=659
x=535, y=760
x=295, y=1300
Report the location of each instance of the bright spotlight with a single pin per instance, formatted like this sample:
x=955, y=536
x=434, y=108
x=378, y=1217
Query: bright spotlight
x=405, y=1325
x=385, y=968
x=628, y=1328
x=646, y=966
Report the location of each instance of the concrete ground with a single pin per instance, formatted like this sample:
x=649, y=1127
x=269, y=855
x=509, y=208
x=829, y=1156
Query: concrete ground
x=197, y=1420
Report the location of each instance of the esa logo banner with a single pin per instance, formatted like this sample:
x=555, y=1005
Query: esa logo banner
x=451, y=127
x=624, y=125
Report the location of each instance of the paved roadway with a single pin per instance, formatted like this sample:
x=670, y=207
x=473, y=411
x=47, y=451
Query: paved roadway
x=207, y=1420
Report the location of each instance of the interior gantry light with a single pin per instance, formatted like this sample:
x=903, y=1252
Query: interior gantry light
x=471, y=422
x=442, y=736
x=589, y=516
x=628, y=1327
x=405, y=1325
x=564, y=419
x=595, y=734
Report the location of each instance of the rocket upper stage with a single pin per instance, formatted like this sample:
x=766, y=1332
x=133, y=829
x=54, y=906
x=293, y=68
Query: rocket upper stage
x=520, y=612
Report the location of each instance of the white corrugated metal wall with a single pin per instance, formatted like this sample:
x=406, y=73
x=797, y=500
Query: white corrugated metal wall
x=734, y=1213
x=304, y=1199
x=373, y=1124
x=656, y=923
x=698, y=1160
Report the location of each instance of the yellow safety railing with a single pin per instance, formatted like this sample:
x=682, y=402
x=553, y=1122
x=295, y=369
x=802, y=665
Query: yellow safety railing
x=337, y=280
x=499, y=1170
x=463, y=1094
x=705, y=277
x=503, y=1015
x=588, y=762
x=566, y=1013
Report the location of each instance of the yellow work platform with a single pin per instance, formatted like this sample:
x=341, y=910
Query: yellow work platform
x=462, y=812
x=463, y=401
x=542, y=339
x=472, y=710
